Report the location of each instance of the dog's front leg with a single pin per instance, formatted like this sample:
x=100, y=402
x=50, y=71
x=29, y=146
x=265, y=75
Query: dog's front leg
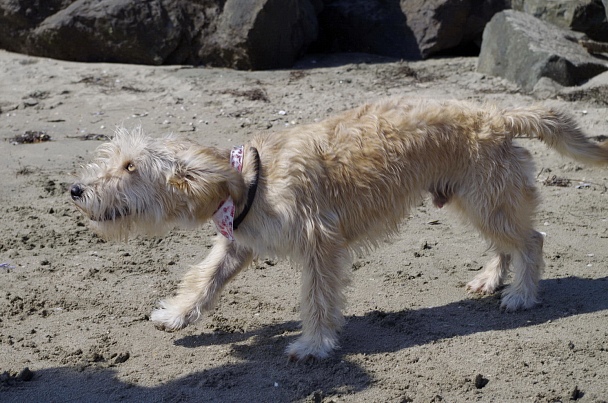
x=202, y=285
x=324, y=278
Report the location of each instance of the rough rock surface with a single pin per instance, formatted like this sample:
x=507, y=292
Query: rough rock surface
x=264, y=34
x=247, y=35
x=256, y=34
x=522, y=49
x=586, y=16
x=411, y=29
x=595, y=90
x=439, y=25
x=367, y=26
x=111, y=30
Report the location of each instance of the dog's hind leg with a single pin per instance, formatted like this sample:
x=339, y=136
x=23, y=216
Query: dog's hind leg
x=528, y=265
x=504, y=218
x=324, y=278
x=202, y=285
x=523, y=251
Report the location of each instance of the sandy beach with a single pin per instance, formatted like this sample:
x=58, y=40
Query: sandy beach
x=74, y=309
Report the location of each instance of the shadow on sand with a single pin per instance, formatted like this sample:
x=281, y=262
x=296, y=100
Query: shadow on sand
x=261, y=372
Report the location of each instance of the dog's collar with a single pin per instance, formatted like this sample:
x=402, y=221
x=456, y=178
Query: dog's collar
x=224, y=216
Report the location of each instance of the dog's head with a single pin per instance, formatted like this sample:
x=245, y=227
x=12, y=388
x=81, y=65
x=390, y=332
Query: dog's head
x=141, y=184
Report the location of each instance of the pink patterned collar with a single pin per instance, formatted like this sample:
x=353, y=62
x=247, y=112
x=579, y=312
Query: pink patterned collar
x=224, y=215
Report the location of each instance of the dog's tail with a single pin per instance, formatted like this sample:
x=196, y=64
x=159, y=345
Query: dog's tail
x=558, y=130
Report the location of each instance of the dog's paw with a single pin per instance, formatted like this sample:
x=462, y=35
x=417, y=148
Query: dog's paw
x=514, y=300
x=307, y=349
x=481, y=285
x=169, y=319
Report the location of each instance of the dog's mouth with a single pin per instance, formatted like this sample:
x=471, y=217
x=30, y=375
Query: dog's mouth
x=114, y=214
x=110, y=215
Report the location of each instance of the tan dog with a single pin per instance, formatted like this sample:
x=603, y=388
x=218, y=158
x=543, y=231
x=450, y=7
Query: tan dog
x=314, y=193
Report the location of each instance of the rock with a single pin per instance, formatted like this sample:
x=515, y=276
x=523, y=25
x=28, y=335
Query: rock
x=588, y=16
x=18, y=17
x=595, y=90
x=261, y=34
x=439, y=25
x=522, y=49
x=109, y=31
x=546, y=88
x=151, y=32
x=480, y=381
x=25, y=375
x=256, y=34
x=409, y=29
x=122, y=357
x=365, y=26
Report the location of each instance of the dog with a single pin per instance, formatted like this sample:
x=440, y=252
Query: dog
x=319, y=193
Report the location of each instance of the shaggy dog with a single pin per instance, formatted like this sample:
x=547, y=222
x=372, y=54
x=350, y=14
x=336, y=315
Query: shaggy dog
x=316, y=193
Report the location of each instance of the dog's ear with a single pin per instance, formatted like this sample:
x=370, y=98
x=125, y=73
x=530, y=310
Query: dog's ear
x=205, y=175
x=181, y=180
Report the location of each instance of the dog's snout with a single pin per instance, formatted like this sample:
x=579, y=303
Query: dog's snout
x=76, y=191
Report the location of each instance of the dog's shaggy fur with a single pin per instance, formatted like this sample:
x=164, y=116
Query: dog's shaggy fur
x=329, y=188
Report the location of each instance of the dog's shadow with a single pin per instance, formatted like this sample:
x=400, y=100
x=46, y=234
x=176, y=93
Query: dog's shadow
x=382, y=331
x=258, y=370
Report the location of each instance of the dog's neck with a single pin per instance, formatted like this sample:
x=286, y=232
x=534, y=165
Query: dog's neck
x=251, y=191
x=223, y=217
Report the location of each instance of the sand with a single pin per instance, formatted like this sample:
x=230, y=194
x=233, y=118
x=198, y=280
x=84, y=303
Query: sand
x=74, y=309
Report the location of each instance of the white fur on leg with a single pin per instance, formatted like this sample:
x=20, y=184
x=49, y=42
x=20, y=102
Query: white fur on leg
x=491, y=278
x=528, y=267
x=202, y=285
x=318, y=347
x=170, y=317
x=324, y=277
x=514, y=299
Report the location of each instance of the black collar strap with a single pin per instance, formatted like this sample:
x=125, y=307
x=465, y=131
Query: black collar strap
x=251, y=191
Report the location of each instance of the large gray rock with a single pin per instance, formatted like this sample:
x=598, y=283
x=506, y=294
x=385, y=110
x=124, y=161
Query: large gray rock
x=18, y=17
x=522, y=49
x=145, y=32
x=439, y=25
x=244, y=34
x=365, y=26
x=595, y=90
x=261, y=34
x=588, y=16
x=407, y=29
x=254, y=34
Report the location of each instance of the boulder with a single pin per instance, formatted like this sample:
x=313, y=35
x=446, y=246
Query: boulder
x=522, y=49
x=595, y=90
x=365, y=26
x=110, y=31
x=261, y=34
x=255, y=34
x=440, y=25
x=406, y=29
x=18, y=17
x=587, y=16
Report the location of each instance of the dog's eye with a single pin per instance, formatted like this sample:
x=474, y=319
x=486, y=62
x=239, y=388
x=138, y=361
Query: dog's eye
x=130, y=167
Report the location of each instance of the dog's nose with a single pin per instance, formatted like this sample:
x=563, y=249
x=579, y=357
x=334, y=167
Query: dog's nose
x=76, y=191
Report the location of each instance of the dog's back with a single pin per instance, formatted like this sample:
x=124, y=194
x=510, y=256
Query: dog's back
x=365, y=168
